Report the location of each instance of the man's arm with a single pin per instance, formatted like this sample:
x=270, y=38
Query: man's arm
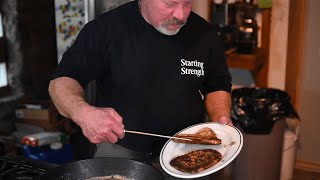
x=68, y=97
x=97, y=124
x=218, y=106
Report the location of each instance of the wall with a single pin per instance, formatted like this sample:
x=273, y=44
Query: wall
x=309, y=96
x=38, y=45
x=29, y=29
x=13, y=42
x=278, y=44
x=202, y=8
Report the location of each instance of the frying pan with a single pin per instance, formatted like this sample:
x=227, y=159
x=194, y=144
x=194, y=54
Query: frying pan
x=103, y=167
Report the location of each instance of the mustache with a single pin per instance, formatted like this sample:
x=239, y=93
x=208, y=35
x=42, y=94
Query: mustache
x=174, y=21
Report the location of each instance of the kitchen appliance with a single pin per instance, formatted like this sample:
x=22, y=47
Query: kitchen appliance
x=14, y=167
x=224, y=17
x=100, y=167
x=248, y=28
x=72, y=15
x=237, y=24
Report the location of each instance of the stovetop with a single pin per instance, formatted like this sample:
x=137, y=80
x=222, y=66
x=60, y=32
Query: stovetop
x=13, y=167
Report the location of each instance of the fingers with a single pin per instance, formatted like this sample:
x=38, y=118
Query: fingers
x=110, y=128
x=110, y=137
x=118, y=127
x=119, y=132
x=115, y=115
x=113, y=137
x=225, y=120
x=97, y=140
x=105, y=125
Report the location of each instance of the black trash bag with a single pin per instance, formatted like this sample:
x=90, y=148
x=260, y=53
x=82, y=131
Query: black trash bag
x=257, y=109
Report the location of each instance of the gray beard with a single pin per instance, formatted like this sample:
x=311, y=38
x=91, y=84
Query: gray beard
x=165, y=31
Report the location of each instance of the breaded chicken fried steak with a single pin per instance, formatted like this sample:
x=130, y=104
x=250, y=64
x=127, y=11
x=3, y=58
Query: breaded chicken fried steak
x=196, y=161
x=204, y=136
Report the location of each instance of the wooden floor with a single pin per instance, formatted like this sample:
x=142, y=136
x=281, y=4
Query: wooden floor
x=225, y=174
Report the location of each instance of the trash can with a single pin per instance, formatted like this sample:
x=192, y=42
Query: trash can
x=260, y=115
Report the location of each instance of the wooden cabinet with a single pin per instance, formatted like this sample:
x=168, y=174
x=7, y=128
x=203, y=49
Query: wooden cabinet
x=252, y=62
x=38, y=45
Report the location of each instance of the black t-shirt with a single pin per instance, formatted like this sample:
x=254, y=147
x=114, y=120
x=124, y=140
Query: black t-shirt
x=152, y=80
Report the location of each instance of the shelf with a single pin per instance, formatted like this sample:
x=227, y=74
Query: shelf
x=252, y=62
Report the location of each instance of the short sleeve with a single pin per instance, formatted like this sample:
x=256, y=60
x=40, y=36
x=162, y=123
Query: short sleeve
x=218, y=77
x=82, y=61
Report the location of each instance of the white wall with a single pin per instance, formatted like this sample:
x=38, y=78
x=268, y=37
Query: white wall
x=278, y=44
x=202, y=7
x=309, y=96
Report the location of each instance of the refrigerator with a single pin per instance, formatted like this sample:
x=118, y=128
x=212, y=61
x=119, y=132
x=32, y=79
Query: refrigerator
x=70, y=17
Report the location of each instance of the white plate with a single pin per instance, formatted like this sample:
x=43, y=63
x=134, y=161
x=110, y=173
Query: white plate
x=231, y=144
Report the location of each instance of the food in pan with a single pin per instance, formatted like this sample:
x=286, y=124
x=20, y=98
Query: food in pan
x=112, y=177
x=204, y=136
x=196, y=161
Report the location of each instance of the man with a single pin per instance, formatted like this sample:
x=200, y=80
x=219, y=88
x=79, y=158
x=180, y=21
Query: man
x=152, y=61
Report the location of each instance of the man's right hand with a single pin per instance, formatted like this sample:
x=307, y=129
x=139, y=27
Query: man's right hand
x=97, y=124
x=101, y=124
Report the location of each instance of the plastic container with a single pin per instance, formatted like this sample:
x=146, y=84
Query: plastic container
x=50, y=154
x=41, y=138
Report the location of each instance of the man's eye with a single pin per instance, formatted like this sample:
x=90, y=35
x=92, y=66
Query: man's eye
x=188, y=2
x=171, y=4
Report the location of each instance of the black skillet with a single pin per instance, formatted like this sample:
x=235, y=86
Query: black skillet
x=98, y=167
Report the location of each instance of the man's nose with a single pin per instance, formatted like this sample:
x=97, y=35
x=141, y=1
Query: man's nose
x=179, y=12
